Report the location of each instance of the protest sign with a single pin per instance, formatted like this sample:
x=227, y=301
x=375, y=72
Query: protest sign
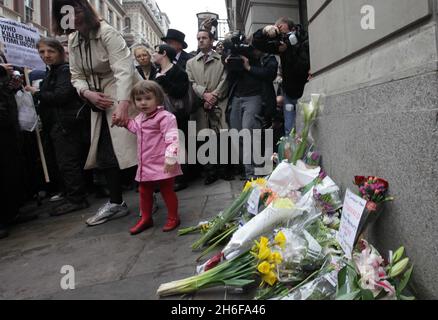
x=19, y=42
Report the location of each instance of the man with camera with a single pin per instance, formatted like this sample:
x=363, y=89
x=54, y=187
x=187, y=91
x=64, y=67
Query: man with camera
x=295, y=64
x=252, y=97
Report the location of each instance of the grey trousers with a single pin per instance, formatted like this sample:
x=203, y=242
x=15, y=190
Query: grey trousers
x=245, y=114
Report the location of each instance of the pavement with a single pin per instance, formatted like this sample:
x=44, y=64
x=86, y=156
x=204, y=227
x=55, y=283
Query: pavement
x=108, y=262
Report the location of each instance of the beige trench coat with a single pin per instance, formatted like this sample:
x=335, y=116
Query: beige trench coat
x=209, y=77
x=114, y=68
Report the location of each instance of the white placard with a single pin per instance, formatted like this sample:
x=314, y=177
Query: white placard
x=19, y=42
x=351, y=213
x=253, y=202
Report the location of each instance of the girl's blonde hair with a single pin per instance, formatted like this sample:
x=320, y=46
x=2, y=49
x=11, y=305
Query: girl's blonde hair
x=147, y=86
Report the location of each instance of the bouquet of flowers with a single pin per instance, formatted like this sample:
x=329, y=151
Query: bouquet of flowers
x=368, y=277
x=374, y=190
x=321, y=287
x=261, y=261
x=293, y=147
x=313, y=158
x=310, y=111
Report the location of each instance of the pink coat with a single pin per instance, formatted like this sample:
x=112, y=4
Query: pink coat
x=157, y=144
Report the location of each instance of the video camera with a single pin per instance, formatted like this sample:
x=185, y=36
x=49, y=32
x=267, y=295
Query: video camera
x=269, y=39
x=234, y=47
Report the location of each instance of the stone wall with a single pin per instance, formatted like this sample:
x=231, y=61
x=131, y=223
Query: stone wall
x=380, y=116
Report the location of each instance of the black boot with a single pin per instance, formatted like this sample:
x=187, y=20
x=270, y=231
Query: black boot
x=68, y=207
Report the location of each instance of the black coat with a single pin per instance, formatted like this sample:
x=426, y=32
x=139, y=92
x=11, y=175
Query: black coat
x=58, y=99
x=175, y=82
x=183, y=58
x=151, y=75
x=266, y=73
x=8, y=105
x=295, y=63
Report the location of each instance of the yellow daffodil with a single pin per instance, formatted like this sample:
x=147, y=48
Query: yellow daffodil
x=276, y=258
x=280, y=240
x=284, y=203
x=270, y=278
x=264, y=242
x=264, y=268
x=264, y=253
x=248, y=186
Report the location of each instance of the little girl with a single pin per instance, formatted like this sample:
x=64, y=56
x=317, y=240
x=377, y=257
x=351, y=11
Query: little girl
x=158, y=143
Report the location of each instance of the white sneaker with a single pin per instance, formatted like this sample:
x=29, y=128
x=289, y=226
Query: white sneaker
x=109, y=211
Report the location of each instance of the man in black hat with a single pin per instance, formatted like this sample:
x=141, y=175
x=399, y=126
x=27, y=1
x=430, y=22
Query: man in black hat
x=175, y=39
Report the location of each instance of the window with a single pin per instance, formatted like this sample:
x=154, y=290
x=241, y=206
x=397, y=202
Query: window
x=28, y=5
x=128, y=24
x=2, y=2
x=102, y=8
x=110, y=17
x=119, y=27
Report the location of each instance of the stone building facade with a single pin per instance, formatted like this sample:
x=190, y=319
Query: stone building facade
x=145, y=23
x=250, y=15
x=140, y=21
x=376, y=63
x=34, y=12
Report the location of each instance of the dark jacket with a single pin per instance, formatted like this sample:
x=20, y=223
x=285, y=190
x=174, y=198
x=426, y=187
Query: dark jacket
x=151, y=75
x=8, y=105
x=58, y=99
x=175, y=82
x=266, y=73
x=183, y=58
x=295, y=64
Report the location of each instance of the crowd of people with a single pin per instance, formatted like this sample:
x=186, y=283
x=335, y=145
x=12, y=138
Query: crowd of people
x=108, y=111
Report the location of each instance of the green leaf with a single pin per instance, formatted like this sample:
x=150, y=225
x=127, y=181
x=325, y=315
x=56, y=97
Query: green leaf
x=405, y=280
x=402, y=297
x=367, y=295
x=342, y=279
x=349, y=296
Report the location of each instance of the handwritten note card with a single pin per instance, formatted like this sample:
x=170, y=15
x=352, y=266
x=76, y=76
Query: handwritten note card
x=351, y=213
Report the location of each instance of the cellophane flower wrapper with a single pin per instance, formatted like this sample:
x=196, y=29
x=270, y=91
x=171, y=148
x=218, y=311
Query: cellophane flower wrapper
x=264, y=223
x=288, y=178
x=319, y=289
x=313, y=157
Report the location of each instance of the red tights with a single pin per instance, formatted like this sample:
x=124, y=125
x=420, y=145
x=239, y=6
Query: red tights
x=146, y=199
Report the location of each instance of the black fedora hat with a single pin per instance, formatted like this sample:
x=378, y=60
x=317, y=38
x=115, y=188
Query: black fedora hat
x=176, y=35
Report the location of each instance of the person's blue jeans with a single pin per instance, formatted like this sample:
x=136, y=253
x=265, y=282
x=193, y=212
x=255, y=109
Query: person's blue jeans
x=245, y=114
x=290, y=114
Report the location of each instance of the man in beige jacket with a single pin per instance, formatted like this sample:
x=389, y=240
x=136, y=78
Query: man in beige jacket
x=208, y=78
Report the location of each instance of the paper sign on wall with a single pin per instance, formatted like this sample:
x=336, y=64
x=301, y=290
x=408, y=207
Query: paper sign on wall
x=351, y=214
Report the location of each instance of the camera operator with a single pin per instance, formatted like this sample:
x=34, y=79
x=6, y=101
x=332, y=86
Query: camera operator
x=295, y=63
x=252, y=97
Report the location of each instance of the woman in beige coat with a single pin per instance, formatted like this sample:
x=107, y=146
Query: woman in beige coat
x=104, y=74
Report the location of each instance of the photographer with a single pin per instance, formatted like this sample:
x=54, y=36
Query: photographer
x=295, y=63
x=252, y=97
